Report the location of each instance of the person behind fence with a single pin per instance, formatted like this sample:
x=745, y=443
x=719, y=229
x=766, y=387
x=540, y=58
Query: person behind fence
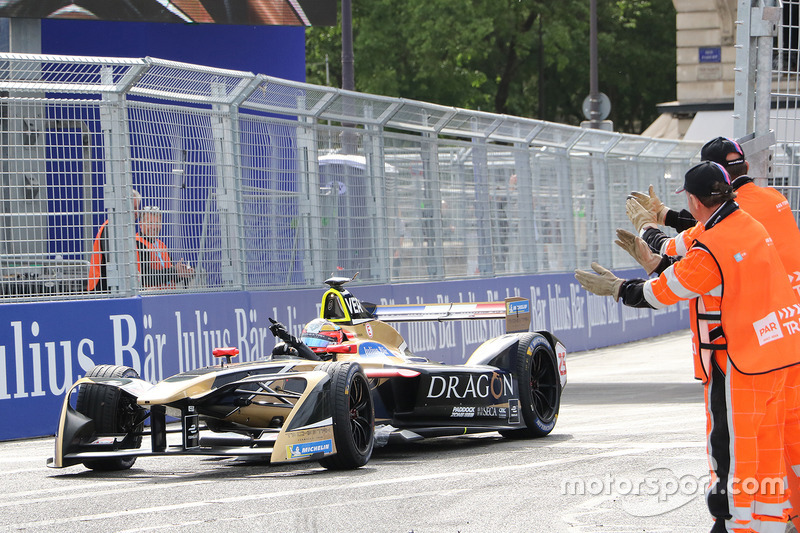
x=98, y=278
x=743, y=344
x=153, y=259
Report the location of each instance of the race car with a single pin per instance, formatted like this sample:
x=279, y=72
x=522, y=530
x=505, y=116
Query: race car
x=349, y=383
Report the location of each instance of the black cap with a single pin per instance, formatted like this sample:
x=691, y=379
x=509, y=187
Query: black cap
x=717, y=150
x=700, y=179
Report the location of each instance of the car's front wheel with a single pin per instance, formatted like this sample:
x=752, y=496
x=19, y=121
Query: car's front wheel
x=353, y=416
x=112, y=412
x=539, y=382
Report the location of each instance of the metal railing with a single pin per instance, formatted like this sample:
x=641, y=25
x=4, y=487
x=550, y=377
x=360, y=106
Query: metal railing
x=262, y=183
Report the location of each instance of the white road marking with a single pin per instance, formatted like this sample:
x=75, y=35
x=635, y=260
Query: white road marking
x=635, y=449
x=80, y=492
x=314, y=506
x=25, y=459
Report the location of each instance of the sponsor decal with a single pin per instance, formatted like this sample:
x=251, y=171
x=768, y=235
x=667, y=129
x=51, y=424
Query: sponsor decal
x=471, y=386
x=191, y=431
x=514, y=308
x=768, y=329
x=373, y=349
x=513, y=411
x=561, y=353
x=489, y=411
x=502, y=412
x=368, y=327
x=463, y=412
x=315, y=430
x=307, y=449
x=353, y=304
x=738, y=257
x=546, y=426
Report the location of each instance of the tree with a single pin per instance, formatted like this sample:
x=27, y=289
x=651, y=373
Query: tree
x=520, y=57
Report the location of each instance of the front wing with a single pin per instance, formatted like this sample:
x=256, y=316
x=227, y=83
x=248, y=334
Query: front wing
x=305, y=434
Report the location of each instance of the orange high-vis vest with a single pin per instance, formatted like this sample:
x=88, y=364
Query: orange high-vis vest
x=772, y=210
x=758, y=309
x=96, y=260
x=159, y=256
x=156, y=256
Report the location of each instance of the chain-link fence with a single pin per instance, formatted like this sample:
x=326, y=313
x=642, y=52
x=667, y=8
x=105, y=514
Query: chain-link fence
x=249, y=182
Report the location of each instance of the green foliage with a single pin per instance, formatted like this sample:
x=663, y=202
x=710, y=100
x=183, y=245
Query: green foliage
x=520, y=57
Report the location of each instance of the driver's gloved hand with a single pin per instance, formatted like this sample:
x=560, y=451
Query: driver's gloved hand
x=280, y=331
x=292, y=342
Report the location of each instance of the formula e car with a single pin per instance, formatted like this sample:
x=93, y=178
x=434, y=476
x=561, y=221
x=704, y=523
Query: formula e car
x=349, y=383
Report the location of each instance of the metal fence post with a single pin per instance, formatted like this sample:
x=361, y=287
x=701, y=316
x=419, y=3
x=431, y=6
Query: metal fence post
x=432, y=206
x=756, y=28
x=527, y=238
x=224, y=126
x=121, y=258
x=566, y=205
x=375, y=168
x=605, y=228
x=309, y=201
x=744, y=72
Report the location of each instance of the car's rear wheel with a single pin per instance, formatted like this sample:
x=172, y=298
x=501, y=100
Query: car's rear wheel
x=353, y=416
x=539, y=382
x=112, y=412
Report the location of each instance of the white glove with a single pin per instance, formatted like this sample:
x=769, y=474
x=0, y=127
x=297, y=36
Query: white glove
x=652, y=203
x=640, y=217
x=606, y=284
x=638, y=249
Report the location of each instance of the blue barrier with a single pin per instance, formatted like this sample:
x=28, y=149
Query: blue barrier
x=47, y=346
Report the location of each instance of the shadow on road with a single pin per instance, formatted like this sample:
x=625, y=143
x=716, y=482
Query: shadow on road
x=631, y=393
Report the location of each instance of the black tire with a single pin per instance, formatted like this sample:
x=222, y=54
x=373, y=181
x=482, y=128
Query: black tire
x=353, y=416
x=112, y=412
x=539, y=382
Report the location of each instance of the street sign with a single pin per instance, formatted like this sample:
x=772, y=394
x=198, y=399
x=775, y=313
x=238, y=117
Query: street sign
x=604, y=107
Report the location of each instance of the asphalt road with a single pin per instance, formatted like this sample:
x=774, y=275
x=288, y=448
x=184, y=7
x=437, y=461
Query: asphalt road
x=627, y=455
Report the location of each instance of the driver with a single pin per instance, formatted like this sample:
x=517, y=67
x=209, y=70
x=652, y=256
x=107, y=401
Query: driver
x=291, y=345
x=316, y=336
x=320, y=333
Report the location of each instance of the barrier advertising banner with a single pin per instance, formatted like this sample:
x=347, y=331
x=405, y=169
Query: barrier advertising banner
x=45, y=347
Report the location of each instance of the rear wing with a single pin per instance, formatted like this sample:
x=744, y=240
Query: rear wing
x=515, y=310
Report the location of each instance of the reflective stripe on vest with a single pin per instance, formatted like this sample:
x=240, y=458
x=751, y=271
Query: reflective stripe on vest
x=680, y=244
